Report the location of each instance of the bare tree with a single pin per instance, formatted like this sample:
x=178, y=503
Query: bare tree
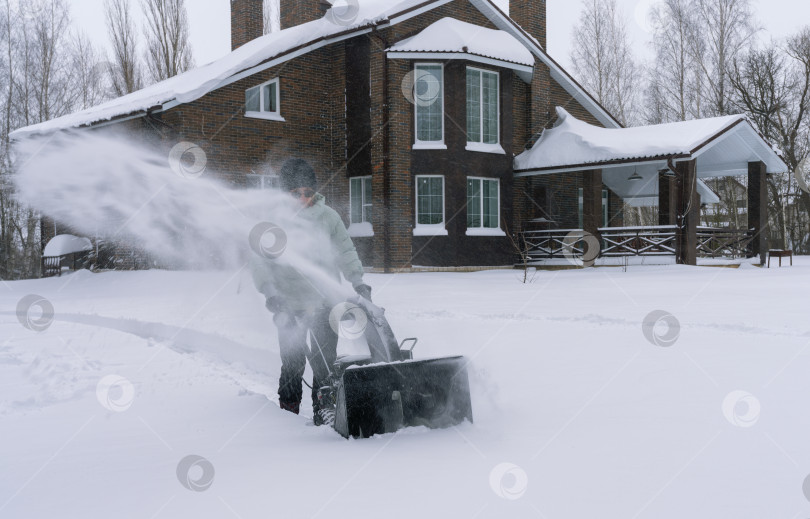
x=168, y=52
x=603, y=59
x=52, y=76
x=91, y=73
x=675, y=80
x=724, y=30
x=45, y=72
x=772, y=86
x=124, y=68
x=36, y=84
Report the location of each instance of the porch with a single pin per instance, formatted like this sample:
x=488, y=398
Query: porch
x=661, y=166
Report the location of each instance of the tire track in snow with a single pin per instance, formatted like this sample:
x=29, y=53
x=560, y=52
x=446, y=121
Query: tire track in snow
x=238, y=362
x=591, y=318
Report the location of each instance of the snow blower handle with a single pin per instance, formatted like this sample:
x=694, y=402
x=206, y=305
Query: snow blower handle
x=382, y=344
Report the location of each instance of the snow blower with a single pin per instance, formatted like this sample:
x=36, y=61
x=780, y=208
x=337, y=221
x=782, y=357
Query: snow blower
x=387, y=389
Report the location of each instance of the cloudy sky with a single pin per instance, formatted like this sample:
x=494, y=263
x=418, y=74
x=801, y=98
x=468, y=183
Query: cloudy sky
x=210, y=23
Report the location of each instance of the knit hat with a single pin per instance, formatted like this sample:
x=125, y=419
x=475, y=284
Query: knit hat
x=296, y=173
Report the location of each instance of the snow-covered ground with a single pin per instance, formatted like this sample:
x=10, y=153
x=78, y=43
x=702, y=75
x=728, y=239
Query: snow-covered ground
x=578, y=413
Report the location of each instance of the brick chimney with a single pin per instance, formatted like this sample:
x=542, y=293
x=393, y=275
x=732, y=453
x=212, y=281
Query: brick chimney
x=247, y=21
x=531, y=15
x=296, y=12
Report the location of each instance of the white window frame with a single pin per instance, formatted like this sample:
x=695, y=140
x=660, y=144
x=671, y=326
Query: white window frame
x=481, y=146
x=437, y=229
x=485, y=231
x=605, y=204
x=265, y=181
x=262, y=113
x=428, y=145
x=364, y=227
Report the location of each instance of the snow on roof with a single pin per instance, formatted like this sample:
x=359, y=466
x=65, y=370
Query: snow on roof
x=281, y=46
x=574, y=142
x=66, y=244
x=451, y=35
x=195, y=83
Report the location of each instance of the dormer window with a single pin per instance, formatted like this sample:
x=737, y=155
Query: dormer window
x=263, y=101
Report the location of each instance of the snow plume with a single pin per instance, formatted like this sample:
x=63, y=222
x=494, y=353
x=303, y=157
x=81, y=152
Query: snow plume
x=166, y=202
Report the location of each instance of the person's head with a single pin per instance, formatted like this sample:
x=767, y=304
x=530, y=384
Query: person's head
x=298, y=178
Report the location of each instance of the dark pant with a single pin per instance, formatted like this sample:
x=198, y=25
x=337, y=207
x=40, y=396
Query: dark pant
x=292, y=340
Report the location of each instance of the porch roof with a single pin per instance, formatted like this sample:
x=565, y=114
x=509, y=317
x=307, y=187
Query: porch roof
x=725, y=146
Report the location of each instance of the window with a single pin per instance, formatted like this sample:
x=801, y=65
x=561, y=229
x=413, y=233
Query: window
x=604, y=208
x=360, y=197
x=429, y=101
x=483, y=207
x=263, y=101
x=256, y=181
x=429, y=206
x=360, y=207
x=483, y=111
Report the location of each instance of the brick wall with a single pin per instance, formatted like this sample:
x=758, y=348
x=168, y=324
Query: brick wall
x=312, y=89
x=558, y=96
x=531, y=16
x=247, y=21
x=296, y=12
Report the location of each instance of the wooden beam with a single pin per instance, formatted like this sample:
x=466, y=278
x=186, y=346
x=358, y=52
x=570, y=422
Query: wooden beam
x=592, y=201
x=758, y=209
x=666, y=199
x=688, y=212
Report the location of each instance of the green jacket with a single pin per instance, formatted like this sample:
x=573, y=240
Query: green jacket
x=307, y=276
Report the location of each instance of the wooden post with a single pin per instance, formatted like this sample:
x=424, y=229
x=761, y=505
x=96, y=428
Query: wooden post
x=592, y=201
x=688, y=213
x=758, y=209
x=666, y=199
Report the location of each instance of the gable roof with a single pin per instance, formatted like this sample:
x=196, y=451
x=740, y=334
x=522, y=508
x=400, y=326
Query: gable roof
x=576, y=145
x=451, y=35
x=278, y=47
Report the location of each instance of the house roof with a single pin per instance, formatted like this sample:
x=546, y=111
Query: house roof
x=576, y=145
x=451, y=35
x=278, y=47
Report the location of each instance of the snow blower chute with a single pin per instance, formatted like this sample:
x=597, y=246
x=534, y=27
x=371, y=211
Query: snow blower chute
x=387, y=389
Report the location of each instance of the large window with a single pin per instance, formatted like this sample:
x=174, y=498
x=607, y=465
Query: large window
x=482, y=203
x=360, y=196
x=263, y=101
x=430, y=205
x=483, y=111
x=483, y=207
x=604, y=208
x=428, y=91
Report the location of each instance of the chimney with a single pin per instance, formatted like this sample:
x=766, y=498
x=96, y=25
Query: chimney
x=531, y=15
x=247, y=21
x=296, y=12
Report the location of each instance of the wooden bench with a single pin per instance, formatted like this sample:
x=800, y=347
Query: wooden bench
x=780, y=253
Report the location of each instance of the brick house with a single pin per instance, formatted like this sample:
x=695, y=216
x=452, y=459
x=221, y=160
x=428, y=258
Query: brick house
x=411, y=111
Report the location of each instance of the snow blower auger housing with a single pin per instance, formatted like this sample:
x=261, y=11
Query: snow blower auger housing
x=388, y=390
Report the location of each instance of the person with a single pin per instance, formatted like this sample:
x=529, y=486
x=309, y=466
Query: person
x=300, y=308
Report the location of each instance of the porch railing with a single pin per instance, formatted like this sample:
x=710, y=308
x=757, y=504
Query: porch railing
x=538, y=245
x=638, y=241
x=635, y=241
x=715, y=242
